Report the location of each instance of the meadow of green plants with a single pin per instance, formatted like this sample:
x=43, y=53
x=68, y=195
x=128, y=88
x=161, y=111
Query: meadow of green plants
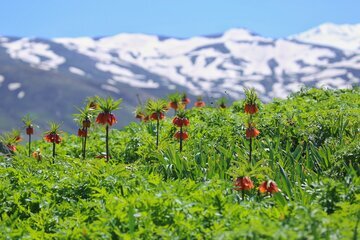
x=309, y=144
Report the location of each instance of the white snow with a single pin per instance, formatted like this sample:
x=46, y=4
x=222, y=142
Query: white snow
x=278, y=91
x=110, y=88
x=294, y=87
x=21, y=95
x=14, y=86
x=257, y=86
x=2, y=79
x=331, y=82
x=36, y=54
x=136, y=83
x=326, y=73
x=343, y=36
x=111, y=82
x=77, y=71
x=114, y=69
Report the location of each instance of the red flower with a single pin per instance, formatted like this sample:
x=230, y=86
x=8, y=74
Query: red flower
x=251, y=108
x=53, y=138
x=157, y=116
x=11, y=147
x=243, y=183
x=106, y=118
x=29, y=130
x=185, y=100
x=174, y=105
x=269, y=187
x=183, y=135
x=199, y=104
x=252, y=132
x=181, y=121
x=86, y=123
x=82, y=132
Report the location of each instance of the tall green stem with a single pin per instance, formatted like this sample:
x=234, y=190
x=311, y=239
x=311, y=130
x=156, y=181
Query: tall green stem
x=54, y=151
x=107, y=143
x=250, y=152
x=84, y=146
x=157, y=130
x=29, y=145
x=181, y=138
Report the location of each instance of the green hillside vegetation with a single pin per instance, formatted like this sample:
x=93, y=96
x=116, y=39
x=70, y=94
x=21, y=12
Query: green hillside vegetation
x=309, y=145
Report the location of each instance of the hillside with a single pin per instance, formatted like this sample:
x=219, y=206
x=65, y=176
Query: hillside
x=48, y=77
x=309, y=145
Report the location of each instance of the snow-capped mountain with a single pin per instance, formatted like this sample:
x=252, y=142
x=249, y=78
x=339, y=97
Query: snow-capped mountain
x=346, y=36
x=125, y=65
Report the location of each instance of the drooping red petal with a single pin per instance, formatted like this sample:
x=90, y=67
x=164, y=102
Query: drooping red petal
x=199, y=104
x=29, y=130
x=101, y=118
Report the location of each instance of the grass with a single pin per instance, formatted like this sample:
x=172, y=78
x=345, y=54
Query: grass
x=309, y=145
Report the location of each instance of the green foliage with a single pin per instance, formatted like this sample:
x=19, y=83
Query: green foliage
x=309, y=145
x=156, y=106
x=107, y=105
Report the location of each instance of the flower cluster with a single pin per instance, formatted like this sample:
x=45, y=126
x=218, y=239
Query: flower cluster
x=176, y=102
x=251, y=108
x=251, y=131
x=246, y=184
x=11, y=139
x=185, y=100
x=106, y=117
x=181, y=121
x=53, y=135
x=199, y=102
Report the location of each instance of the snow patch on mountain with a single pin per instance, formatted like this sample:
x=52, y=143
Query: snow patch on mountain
x=21, y=95
x=37, y=54
x=14, y=86
x=343, y=36
x=77, y=71
x=332, y=83
x=137, y=83
x=110, y=88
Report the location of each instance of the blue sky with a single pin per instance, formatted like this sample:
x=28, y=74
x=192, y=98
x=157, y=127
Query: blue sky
x=178, y=18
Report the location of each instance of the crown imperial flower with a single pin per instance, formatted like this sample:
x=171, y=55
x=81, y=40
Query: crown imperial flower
x=268, y=186
x=243, y=183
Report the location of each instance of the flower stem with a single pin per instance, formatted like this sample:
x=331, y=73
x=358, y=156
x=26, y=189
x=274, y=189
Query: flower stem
x=54, y=151
x=29, y=145
x=84, y=147
x=250, y=152
x=181, y=143
x=243, y=195
x=107, y=143
x=157, y=130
